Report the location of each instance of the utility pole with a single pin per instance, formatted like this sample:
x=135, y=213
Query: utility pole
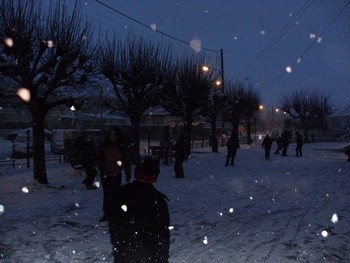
x=222, y=93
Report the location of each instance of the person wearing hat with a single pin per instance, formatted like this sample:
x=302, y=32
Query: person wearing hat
x=139, y=221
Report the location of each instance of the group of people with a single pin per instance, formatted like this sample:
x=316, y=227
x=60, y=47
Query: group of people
x=283, y=142
x=137, y=212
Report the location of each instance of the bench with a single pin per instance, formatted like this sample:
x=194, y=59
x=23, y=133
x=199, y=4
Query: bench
x=158, y=153
x=8, y=163
x=57, y=159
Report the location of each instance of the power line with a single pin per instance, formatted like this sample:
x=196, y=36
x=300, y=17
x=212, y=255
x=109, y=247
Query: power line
x=309, y=47
x=279, y=35
x=158, y=31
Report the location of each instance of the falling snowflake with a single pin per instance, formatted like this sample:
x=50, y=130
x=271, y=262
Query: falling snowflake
x=312, y=36
x=124, y=208
x=231, y=210
x=205, y=241
x=25, y=190
x=24, y=94
x=289, y=69
x=2, y=209
x=8, y=42
x=119, y=163
x=153, y=26
x=324, y=233
x=196, y=45
x=335, y=218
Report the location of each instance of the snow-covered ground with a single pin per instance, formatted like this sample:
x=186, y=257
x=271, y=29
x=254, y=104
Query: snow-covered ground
x=286, y=209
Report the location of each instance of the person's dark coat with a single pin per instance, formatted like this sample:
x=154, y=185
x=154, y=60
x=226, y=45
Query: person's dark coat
x=232, y=145
x=139, y=224
x=286, y=135
x=113, y=160
x=85, y=155
x=266, y=144
x=299, y=141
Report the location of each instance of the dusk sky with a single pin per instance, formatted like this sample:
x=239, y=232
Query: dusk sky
x=261, y=40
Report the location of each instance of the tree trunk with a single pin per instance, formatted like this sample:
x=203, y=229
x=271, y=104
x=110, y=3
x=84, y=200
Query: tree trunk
x=39, y=147
x=188, y=134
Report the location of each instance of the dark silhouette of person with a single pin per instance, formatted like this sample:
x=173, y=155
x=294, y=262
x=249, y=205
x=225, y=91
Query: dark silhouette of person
x=279, y=142
x=299, y=141
x=232, y=145
x=180, y=156
x=87, y=158
x=266, y=144
x=139, y=222
x=114, y=159
x=285, y=142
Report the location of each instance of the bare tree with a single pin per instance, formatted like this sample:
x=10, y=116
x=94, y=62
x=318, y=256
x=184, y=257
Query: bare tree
x=211, y=111
x=135, y=68
x=309, y=108
x=241, y=103
x=51, y=52
x=186, y=91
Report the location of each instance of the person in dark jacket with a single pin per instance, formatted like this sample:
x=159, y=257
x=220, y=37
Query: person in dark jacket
x=139, y=223
x=266, y=144
x=85, y=155
x=113, y=160
x=279, y=142
x=232, y=145
x=286, y=135
x=180, y=157
x=299, y=141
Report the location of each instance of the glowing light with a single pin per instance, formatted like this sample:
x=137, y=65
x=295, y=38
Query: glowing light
x=205, y=68
x=124, y=208
x=72, y=108
x=8, y=42
x=324, y=233
x=231, y=210
x=171, y=228
x=196, y=45
x=261, y=107
x=24, y=94
x=218, y=83
x=153, y=26
x=119, y=163
x=289, y=69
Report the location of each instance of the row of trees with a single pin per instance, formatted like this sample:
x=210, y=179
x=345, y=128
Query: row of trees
x=55, y=56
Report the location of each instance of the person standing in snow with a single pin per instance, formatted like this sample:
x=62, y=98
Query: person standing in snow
x=139, y=222
x=266, y=144
x=286, y=135
x=279, y=144
x=232, y=145
x=113, y=159
x=299, y=142
x=180, y=156
x=86, y=157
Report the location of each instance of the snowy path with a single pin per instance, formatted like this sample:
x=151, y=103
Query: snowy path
x=258, y=211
